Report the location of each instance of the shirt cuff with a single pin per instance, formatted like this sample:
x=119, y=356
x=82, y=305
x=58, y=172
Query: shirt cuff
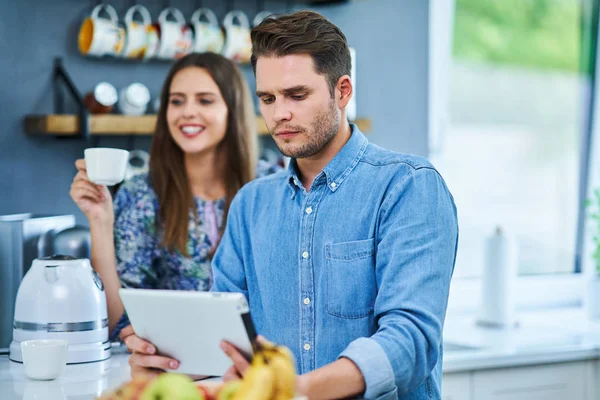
x=123, y=322
x=371, y=359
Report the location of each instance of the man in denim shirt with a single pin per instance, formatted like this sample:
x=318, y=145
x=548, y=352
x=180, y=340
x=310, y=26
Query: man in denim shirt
x=345, y=257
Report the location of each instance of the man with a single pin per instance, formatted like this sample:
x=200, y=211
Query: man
x=346, y=257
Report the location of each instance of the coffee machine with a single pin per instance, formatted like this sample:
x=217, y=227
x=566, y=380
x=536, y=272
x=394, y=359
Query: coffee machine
x=23, y=238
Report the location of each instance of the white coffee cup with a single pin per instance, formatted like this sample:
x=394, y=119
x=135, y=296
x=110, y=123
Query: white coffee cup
x=99, y=36
x=106, y=166
x=238, y=46
x=44, y=359
x=136, y=40
x=175, y=36
x=208, y=35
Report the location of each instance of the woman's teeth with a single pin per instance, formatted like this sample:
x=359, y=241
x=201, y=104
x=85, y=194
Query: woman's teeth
x=192, y=130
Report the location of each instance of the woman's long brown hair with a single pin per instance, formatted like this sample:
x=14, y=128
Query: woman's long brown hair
x=167, y=169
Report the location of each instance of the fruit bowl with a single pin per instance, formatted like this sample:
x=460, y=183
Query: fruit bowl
x=271, y=376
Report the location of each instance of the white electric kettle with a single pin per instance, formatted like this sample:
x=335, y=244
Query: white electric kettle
x=62, y=297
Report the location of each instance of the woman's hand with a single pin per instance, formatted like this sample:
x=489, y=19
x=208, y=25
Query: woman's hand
x=93, y=200
x=143, y=360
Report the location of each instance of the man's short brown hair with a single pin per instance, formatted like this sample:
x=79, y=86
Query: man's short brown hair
x=304, y=32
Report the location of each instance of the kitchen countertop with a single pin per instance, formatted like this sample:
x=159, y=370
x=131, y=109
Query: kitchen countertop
x=542, y=337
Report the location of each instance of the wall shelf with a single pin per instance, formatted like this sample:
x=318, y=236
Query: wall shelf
x=113, y=124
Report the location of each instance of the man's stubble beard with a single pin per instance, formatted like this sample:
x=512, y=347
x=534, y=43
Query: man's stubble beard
x=322, y=131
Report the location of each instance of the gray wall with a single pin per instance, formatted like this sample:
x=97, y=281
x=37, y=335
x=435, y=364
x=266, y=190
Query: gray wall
x=390, y=37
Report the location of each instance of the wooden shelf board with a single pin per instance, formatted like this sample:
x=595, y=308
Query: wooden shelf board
x=112, y=124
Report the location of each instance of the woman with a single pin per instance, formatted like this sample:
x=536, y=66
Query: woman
x=164, y=226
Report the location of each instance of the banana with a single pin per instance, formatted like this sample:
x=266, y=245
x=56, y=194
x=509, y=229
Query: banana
x=259, y=381
x=281, y=361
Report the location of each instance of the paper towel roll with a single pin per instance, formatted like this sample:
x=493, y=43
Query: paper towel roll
x=498, y=280
x=351, y=107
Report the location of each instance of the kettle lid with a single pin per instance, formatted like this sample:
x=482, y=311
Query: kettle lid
x=59, y=257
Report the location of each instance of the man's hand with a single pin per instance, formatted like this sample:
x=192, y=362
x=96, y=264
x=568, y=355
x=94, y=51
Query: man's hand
x=240, y=364
x=143, y=361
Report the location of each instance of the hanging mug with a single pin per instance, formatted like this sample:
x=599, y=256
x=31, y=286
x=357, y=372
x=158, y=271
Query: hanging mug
x=138, y=163
x=238, y=46
x=175, y=36
x=135, y=37
x=261, y=16
x=208, y=36
x=100, y=36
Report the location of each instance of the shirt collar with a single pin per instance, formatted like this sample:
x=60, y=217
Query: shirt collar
x=338, y=169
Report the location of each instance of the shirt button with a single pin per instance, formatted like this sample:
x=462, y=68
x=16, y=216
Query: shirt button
x=305, y=254
x=333, y=185
x=309, y=210
x=306, y=346
x=306, y=301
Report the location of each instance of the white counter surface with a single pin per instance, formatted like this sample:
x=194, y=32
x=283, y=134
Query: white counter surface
x=543, y=337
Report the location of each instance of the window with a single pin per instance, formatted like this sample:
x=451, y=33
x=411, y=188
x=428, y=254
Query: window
x=518, y=108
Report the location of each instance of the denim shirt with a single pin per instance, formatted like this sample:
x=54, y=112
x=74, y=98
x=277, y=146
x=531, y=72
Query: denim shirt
x=359, y=266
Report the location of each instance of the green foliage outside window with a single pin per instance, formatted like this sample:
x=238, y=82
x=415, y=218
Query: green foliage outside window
x=541, y=34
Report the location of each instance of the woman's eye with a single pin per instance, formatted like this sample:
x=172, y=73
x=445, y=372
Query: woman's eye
x=176, y=102
x=206, y=101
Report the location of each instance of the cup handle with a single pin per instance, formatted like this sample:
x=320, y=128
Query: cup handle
x=164, y=14
x=143, y=11
x=260, y=17
x=206, y=12
x=239, y=15
x=109, y=9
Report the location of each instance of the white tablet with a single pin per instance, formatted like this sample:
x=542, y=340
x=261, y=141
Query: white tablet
x=188, y=326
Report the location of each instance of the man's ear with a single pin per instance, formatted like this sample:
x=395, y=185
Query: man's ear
x=343, y=91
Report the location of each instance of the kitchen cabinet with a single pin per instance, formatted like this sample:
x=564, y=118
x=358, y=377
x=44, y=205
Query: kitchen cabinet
x=593, y=380
x=540, y=382
x=457, y=386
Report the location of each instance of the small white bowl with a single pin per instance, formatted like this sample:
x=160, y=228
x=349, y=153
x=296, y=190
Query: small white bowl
x=44, y=359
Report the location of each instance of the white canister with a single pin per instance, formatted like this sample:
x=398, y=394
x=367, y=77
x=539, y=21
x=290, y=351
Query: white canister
x=133, y=99
x=498, y=281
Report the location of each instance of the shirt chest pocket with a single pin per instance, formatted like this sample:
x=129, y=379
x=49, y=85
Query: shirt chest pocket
x=350, y=278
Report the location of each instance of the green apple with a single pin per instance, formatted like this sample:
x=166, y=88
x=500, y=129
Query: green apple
x=171, y=386
x=229, y=390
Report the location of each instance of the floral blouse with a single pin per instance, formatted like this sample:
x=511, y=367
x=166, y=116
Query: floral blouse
x=142, y=262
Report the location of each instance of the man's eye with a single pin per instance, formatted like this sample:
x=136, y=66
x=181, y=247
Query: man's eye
x=299, y=96
x=268, y=100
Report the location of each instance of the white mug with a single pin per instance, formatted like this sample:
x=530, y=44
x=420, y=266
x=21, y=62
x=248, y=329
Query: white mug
x=208, y=36
x=175, y=36
x=101, y=36
x=138, y=163
x=260, y=17
x=44, y=359
x=135, y=37
x=238, y=46
x=106, y=166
